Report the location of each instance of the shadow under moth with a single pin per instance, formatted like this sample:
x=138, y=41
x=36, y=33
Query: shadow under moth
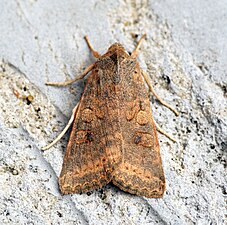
x=113, y=137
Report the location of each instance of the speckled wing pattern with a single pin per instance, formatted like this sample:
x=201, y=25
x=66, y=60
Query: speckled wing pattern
x=114, y=137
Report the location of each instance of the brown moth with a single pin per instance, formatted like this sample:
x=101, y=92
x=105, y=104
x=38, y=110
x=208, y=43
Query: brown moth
x=114, y=137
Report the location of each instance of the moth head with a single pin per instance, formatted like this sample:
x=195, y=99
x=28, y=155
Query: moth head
x=116, y=47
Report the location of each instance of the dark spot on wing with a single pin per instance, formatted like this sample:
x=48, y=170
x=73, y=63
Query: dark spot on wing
x=137, y=139
x=89, y=136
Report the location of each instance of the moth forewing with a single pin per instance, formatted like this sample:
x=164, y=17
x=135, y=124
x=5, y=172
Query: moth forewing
x=113, y=136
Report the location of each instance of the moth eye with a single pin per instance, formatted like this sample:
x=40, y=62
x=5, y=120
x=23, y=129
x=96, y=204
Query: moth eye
x=129, y=62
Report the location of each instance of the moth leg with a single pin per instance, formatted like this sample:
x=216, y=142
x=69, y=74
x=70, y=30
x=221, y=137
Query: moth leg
x=160, y=130
x=95, y=53
x=58, y=138
x=82, y=75
x=136, y=50
x=148, y=81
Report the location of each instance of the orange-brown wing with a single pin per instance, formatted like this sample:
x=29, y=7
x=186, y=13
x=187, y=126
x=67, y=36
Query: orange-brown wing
x=94, y=147
x=141, y=171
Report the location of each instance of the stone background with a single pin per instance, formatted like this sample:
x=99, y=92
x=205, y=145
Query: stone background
x=185, y=54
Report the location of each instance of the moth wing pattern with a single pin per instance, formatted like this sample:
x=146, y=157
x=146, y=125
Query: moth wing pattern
x=114, y=137
x=94, y=149
x=140, y=171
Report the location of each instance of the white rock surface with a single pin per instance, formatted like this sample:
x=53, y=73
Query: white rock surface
x=185, y=53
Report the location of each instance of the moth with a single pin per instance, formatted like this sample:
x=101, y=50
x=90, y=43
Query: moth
x=114, y=137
